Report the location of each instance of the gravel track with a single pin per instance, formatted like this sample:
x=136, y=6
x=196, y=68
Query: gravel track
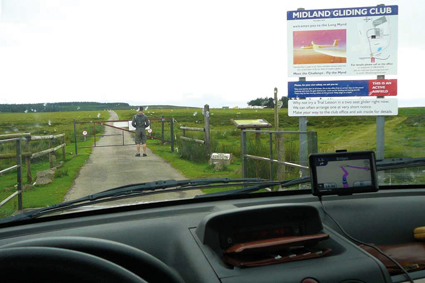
x=112, y=166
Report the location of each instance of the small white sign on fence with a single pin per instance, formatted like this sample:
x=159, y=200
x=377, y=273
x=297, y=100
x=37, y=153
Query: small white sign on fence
x=223, y=158
x=220, y=156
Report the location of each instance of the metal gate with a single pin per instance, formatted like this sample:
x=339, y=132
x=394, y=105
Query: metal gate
x=122, y=126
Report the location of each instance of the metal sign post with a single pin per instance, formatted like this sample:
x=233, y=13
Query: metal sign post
x=172, y=133
x=276, y=111
x=380, y=126
x=303, y=145
x=380, y=132
x=75, y=138
x=207, y=128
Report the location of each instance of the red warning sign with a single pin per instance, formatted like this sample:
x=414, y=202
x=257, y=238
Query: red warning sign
x=382, y=87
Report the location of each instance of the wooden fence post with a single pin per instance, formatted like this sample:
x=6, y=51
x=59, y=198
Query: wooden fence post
x=281, y=156
x=243, y=154
x=184, y=131
x=28, y=159
x=271, y=155
x=63, y=148
x=172, y=133
x=94, y=133
x=50, y=153
x=75, y=139
x=162, y=128
x=28, y=155
x=19, y=174
x=207, y=128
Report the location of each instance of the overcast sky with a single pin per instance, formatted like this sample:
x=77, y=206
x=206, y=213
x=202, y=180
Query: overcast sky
x=169, y=52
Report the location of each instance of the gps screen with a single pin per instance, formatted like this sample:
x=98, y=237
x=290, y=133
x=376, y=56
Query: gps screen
x=343, y=173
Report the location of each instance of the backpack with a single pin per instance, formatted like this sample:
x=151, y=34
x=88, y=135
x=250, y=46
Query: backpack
x=139, y=118
x=147, y=122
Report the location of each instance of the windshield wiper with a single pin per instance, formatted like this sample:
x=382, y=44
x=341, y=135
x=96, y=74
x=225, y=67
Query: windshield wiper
x=257, y=187
x=385, y=164
x=396, y=163
x=248, y=185
x=128, y=191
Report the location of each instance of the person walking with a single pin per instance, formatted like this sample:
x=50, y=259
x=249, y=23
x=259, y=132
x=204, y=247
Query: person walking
x=140, y=122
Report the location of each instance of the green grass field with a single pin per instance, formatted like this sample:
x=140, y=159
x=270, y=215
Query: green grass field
x=403, y=133
x=403, y=137
x=51, y=123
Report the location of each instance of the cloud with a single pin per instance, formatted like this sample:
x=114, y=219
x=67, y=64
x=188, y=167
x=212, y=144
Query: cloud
x=156, y=52
x=19, y=11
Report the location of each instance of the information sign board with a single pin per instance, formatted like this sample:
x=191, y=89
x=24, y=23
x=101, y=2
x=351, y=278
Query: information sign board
x=305, y=89
x=343, y=107
x=252, y=123
x=343, y=42
x=223, y=158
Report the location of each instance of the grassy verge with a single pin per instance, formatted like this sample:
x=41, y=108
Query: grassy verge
x=45, y=195
x=191, y=169
x=403, y=137
x=47, y=123
x=197, y=170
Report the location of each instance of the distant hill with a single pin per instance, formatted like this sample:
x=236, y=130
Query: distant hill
x=169, y=107
x=63, y=106
x=76, y=106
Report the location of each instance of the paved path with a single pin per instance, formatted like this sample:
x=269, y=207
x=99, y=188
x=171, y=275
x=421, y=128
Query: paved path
x=112, y=166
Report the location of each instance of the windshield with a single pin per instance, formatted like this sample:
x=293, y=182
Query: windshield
x=96, y=95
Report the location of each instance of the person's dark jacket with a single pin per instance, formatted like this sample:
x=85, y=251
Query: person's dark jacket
x=140, y=121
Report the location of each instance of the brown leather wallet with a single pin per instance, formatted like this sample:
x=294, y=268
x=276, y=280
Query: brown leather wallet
x=409, y=255
x=277, y=250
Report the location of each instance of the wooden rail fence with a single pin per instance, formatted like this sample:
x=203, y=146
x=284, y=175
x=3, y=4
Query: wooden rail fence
x=28, y=155
x=18, y=166
x=311, y=147
x=206, y=130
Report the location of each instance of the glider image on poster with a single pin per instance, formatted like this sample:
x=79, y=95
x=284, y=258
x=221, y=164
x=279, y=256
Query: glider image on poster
x=318, y=50
x=327, y=49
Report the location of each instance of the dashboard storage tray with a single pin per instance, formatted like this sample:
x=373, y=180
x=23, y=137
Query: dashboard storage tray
x=276, y=250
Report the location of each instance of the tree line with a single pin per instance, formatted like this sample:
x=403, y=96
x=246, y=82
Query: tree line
x=268, y=102
x=62, y=106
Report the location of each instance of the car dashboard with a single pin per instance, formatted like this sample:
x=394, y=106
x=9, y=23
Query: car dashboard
x=191, y=236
